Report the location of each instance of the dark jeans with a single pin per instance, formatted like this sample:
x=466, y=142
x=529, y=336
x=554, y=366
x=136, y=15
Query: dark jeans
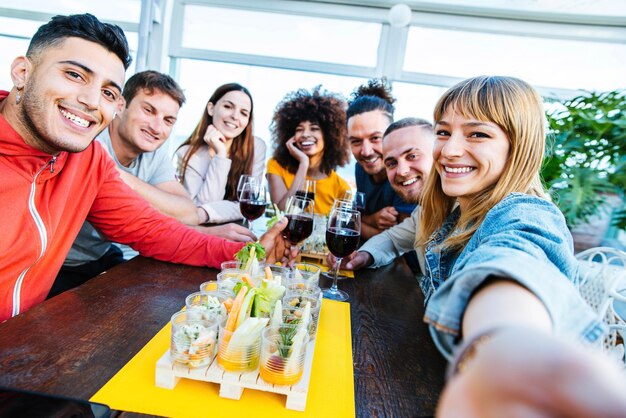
x=71, y=277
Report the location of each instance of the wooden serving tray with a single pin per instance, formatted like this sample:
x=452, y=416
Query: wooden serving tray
x=232, y=384
x=316, y=258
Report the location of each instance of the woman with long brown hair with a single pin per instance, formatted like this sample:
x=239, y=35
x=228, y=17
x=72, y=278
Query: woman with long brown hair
x=219, y=151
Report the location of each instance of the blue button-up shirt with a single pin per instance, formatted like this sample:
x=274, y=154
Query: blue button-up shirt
x=523, y=238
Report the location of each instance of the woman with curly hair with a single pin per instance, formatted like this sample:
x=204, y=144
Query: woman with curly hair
x=309, y=130
x=219, y=151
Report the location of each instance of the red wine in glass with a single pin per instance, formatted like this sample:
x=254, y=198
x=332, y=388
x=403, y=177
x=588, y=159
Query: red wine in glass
x=251, y=209
x=342, y=242
x=299, y=228
x=305, y=195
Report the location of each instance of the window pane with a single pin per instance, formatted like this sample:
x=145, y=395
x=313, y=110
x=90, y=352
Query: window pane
x=120, y=10
x=18, y=27
x=414, y=100
x=11, y=48
x=267, y=86
x=544, y=62
x=274, y=34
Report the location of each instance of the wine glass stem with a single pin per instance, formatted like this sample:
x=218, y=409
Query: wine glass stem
x=333, y=288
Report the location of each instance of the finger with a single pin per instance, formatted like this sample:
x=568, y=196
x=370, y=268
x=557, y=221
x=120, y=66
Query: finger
x=242, y=238
x=242, y=230
x=276, y=229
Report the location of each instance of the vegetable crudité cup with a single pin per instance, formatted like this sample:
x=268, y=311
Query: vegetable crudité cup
x=303, y=288
x=207, y=305
x=193, y=340
x=294, y=305
x=277, y=271
x=209, y=286
x=238, y=353
x=228, y=279
x=283, y=351
x=306, y=272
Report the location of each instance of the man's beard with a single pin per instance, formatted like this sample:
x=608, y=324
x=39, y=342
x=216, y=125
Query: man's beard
x=33, y=111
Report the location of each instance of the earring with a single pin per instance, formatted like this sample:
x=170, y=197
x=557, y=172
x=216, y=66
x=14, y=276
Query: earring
x=18, y=97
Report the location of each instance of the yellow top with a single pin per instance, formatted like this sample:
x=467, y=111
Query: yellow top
x=326, y=190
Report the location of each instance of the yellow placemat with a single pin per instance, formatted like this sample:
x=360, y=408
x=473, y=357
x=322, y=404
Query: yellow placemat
x=331, y=390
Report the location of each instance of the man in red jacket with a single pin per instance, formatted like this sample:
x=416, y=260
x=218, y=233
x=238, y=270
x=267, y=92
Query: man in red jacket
x=54, y=177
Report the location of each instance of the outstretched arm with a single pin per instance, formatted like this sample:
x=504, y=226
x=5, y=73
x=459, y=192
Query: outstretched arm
x=169, y=197
x=521, y=369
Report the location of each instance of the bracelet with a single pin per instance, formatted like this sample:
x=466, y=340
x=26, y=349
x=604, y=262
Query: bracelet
x=466, y=353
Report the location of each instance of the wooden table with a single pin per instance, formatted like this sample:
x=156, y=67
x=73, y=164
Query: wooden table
x=72, y=344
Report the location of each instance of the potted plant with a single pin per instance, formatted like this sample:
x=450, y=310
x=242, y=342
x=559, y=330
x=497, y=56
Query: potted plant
x=586, y=157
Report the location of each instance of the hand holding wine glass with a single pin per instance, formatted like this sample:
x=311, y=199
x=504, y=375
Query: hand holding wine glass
x=299, y=213
x=342, y=238
x=252, y=200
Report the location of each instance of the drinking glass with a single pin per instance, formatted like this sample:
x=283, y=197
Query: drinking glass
x=252, y=200
x=193, y=340
x=243, y=179
x=306, y=190
x=299, y=213
x=357, y=198
x=342, y=237
x=283, y=352
x=346, y=203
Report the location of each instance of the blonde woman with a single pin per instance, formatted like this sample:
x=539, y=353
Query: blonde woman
x=500, y=269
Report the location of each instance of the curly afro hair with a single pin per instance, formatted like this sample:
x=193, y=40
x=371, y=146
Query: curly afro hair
x=318, y=106
x=374, y=95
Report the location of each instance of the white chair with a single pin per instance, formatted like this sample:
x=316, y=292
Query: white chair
x=603, y=285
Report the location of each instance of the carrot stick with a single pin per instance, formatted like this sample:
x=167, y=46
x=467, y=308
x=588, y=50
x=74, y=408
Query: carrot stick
x=234, y=311
x=268, y=273
x=246, y=279
x=228, y=304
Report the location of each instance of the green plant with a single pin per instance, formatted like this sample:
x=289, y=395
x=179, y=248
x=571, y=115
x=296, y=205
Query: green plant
x=586, y=154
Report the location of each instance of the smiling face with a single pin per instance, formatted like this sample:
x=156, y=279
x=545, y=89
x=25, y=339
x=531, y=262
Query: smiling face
x=470, y=155
x=365, y=133
x=231, y=113
x=146, y=122
x=408, y=158
x=71, y=92
x=310, y=139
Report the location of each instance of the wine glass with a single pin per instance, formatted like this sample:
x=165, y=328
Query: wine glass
x=307, y=190
x=299, y=213
x=243, y=179
x=345, y=203
x=342, y=237
x=252, y=200
x=357, y=198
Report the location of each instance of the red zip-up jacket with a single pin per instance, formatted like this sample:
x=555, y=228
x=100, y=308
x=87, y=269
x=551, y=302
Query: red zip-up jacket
x=44, y=201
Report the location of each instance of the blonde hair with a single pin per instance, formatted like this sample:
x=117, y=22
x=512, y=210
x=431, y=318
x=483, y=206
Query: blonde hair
x=517, y=109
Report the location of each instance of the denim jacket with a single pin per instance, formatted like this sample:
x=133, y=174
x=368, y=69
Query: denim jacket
x=523, y=238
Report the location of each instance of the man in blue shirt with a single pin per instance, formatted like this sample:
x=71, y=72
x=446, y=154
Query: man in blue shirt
x=370, y=112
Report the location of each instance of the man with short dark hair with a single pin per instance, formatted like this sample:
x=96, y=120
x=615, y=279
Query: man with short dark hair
x=66, y=91
x=408, y=158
